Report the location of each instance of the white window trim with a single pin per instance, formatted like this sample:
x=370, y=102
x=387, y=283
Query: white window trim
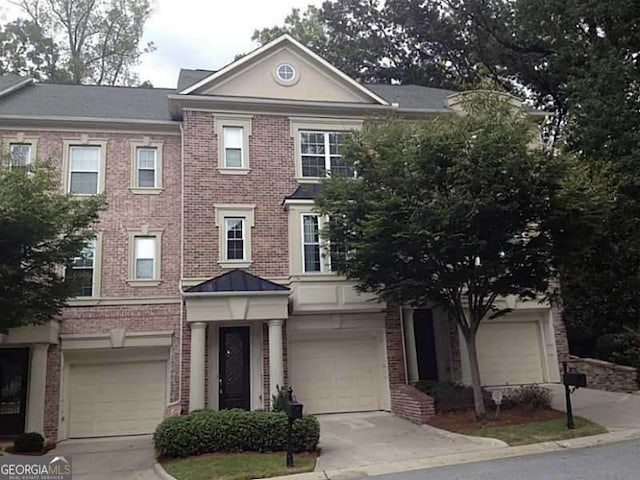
x=325, y=259
x=97, y=271
x=145, y=231
x=229, y=210
x=84, y=141
x=21, y=138
x=146, y=142
x=244, y=122
x=244, y=236
x=299, y=124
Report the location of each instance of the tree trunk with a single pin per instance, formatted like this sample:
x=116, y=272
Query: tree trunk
x=478, y=399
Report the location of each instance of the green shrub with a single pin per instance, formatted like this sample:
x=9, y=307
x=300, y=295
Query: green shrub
x=279, y=399
x=530, y=397
x=208, y=431
x=31, y=442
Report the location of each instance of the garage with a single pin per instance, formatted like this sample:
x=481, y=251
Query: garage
x=107, y=399
x=510, y=353
x=335, y=371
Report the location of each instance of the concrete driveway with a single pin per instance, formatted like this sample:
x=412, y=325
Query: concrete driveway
x=114, y=458
x=357, y=439
x=614, y=411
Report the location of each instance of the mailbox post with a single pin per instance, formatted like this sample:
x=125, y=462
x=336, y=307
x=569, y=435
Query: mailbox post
x=575, y=380
x=294, y=412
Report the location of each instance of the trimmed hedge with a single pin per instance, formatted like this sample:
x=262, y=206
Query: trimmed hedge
x=208, y=431
x=31, y=442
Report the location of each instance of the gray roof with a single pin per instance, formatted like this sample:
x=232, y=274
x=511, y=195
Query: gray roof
x=188, y=77
x=237, y=281
x=413, y=96
x=53, y=100
x=8, y=81
x=305, y=191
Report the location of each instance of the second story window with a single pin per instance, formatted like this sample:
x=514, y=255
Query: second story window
x=233, y=147
x=234, y=241
x=320, y=153
x=311, y=248
x=81, y=270
x=146, y=168
x=20, y=155
x=84, y=169
x=145, y=258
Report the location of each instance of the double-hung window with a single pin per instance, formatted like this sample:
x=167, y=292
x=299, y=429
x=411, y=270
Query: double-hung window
x=84, y=169
x=311, y=247
x=233, y=138
x=20, y=155
x=81, y=270
x=320, y=154
x=146, y=167
x=234, y=238
x=145, y=249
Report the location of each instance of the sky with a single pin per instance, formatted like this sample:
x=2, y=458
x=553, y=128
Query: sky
x=199, y=33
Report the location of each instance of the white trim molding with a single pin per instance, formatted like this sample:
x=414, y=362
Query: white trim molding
x=233, y=210
x=146, y=142
x=233, y=120
x=115, y=338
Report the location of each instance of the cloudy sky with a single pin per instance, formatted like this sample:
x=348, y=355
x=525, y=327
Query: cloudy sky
x=200, y=33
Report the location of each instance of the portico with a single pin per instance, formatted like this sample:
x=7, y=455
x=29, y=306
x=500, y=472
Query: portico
x=229, y=316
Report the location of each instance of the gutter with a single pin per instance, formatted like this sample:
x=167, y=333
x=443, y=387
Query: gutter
x=56, y=122
x=258, y=293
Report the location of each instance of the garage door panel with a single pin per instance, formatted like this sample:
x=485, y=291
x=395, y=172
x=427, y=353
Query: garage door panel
x=116, y=398
x=336, y=371
x=510, y=353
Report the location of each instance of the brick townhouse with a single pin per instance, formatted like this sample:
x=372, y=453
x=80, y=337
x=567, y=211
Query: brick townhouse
x=207, y=284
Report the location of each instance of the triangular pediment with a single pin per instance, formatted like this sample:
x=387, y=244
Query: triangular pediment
x=307, y=77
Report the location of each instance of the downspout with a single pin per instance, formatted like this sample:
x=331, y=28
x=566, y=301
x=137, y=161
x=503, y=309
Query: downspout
x=404, y=346
x=181, y=259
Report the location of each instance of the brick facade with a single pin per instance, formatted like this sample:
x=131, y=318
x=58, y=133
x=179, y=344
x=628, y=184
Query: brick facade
x=411, y=404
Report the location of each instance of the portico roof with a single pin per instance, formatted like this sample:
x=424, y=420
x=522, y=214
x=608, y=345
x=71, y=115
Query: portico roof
x=237, y=281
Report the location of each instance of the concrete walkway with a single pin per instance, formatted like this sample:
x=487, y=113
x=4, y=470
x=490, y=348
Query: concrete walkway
x=114, y=458
x=355, y=439
x=614, y=411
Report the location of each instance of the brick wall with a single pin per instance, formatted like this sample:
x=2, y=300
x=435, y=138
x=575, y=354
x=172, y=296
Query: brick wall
x=395, y=351
x=271, y=153
x=454, y=348
x=52, y=393
x=411, y=404
x=608, y=376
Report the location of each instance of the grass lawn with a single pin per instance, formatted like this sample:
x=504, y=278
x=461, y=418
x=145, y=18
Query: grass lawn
x=237, y=466
x=534, y=432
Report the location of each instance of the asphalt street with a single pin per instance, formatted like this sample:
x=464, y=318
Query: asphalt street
x=617, y=461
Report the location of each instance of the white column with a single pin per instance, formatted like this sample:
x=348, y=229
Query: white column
x=196, y=376
x=37, y=388
x=410, y=345
x=276, y=358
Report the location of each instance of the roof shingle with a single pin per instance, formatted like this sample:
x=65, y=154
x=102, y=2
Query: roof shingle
x=237, y=281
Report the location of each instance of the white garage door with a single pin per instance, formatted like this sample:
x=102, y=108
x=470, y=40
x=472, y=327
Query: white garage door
x=336, y=371
x=116, y=398
x=509, y=353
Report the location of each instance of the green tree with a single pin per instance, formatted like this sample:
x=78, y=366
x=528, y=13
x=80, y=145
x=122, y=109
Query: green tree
x=41, y=231
x=98, y=40
x=456, y=210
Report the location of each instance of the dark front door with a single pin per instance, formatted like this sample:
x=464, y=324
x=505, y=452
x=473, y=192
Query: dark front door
x=234, y=368
x=14, y=374
x=425, y=344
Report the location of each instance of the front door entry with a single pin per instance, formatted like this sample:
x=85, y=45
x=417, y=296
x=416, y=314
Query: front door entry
x=14, y=366
x=425, y=344
x=234, y=368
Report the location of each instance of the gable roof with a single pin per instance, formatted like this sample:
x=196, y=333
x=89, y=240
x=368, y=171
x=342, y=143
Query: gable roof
x=237, y=281
x=283, y=40
x=87, y=101
x=414, y=96
x=188, y=77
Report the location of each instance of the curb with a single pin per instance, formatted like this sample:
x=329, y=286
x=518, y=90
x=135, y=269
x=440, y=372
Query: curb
x=458, y=458
x=161, y=472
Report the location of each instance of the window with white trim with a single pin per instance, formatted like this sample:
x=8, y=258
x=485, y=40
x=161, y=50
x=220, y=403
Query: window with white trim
x=233, y=138
x=234, y=238
x=320, y=154
x=146, y=167
x=20, y=155
x=84, y=169
x=145, y=249
x=81, y=270
x=311, y=247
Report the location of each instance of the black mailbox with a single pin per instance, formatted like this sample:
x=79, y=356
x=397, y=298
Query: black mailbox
x=293, y=409
x=575, y=379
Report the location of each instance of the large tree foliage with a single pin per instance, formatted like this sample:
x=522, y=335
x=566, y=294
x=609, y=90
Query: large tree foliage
x=97, y=41
x=576, y=59
x=458, y=210
x=41, y=231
